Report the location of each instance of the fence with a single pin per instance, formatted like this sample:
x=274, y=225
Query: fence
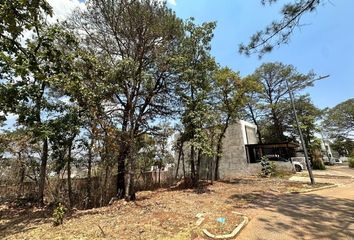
x=102, y=190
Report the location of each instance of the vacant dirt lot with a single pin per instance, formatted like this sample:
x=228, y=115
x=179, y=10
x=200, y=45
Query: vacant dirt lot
x=162, y=214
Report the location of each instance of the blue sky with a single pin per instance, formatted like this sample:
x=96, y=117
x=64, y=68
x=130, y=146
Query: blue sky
x=325, y=44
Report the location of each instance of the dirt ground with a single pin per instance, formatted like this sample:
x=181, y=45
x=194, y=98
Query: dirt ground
x=162, y=214
x=325, y=214
x=338, y=174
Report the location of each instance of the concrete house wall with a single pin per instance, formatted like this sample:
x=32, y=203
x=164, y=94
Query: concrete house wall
x=234, y=160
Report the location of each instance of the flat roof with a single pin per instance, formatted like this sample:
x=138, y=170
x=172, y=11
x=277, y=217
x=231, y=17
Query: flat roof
x=275, y=145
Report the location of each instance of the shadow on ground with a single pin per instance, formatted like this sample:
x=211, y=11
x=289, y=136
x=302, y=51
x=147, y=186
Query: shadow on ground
x=15, y=220
x=19, y=220
x=302, y=215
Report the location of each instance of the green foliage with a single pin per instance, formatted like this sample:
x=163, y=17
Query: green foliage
x=318, y=164
x=270, y=98
x=343, y=145
x=268, y=168
x=136, y=54
x=339, y=120
x=351, y=162
x=59, y=214
x=18, y=15
x=230, y=92
x=101, y=83
x=64, y=129
x=146, y=154
x=308, y=115
x=279, y=32
x=194, y=89
x=162, y=134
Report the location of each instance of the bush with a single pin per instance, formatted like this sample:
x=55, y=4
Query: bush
x=318, y=164
x=268, y=168
x=58, y=214
x=351, y=162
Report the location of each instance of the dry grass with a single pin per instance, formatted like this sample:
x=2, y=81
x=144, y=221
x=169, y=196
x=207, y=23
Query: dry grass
x=162, y=214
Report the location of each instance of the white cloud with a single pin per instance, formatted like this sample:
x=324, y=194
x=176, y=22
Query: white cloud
x=63, y=8
x=172, y=2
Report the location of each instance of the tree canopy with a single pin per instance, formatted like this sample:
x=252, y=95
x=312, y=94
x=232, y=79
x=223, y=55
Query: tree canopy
x=279, y=31
x=339, y=120
x=102, y=94
x=272, y=92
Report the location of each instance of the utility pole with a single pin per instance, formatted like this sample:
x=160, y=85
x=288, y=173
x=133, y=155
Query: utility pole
x=309, y=169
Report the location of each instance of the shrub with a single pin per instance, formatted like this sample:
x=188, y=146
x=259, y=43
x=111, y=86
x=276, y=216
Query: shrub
x=351, y=162
x=318, y=164
x=58, y=214
x=268, y=168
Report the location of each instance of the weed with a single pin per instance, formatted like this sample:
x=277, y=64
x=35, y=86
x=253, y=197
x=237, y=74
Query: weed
x=58, y=214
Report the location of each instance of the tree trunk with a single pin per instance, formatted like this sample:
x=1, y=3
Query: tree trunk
x=212, y=170
x=179, y=158
x=132, y=196
x=69, y=178
x=219, y=148
x=127, y=184
x=256, y=123
x=199, y=158
x=88, y=202
x=44, y=156
x=123, y=152
x=183, y=165
x=22, y=172
x=218, y=158
x=129, y=187
x=193, y=175
x=42, y=173
x=159, y=177
x=104, y=187
x=106, y=165
x=277, y=126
